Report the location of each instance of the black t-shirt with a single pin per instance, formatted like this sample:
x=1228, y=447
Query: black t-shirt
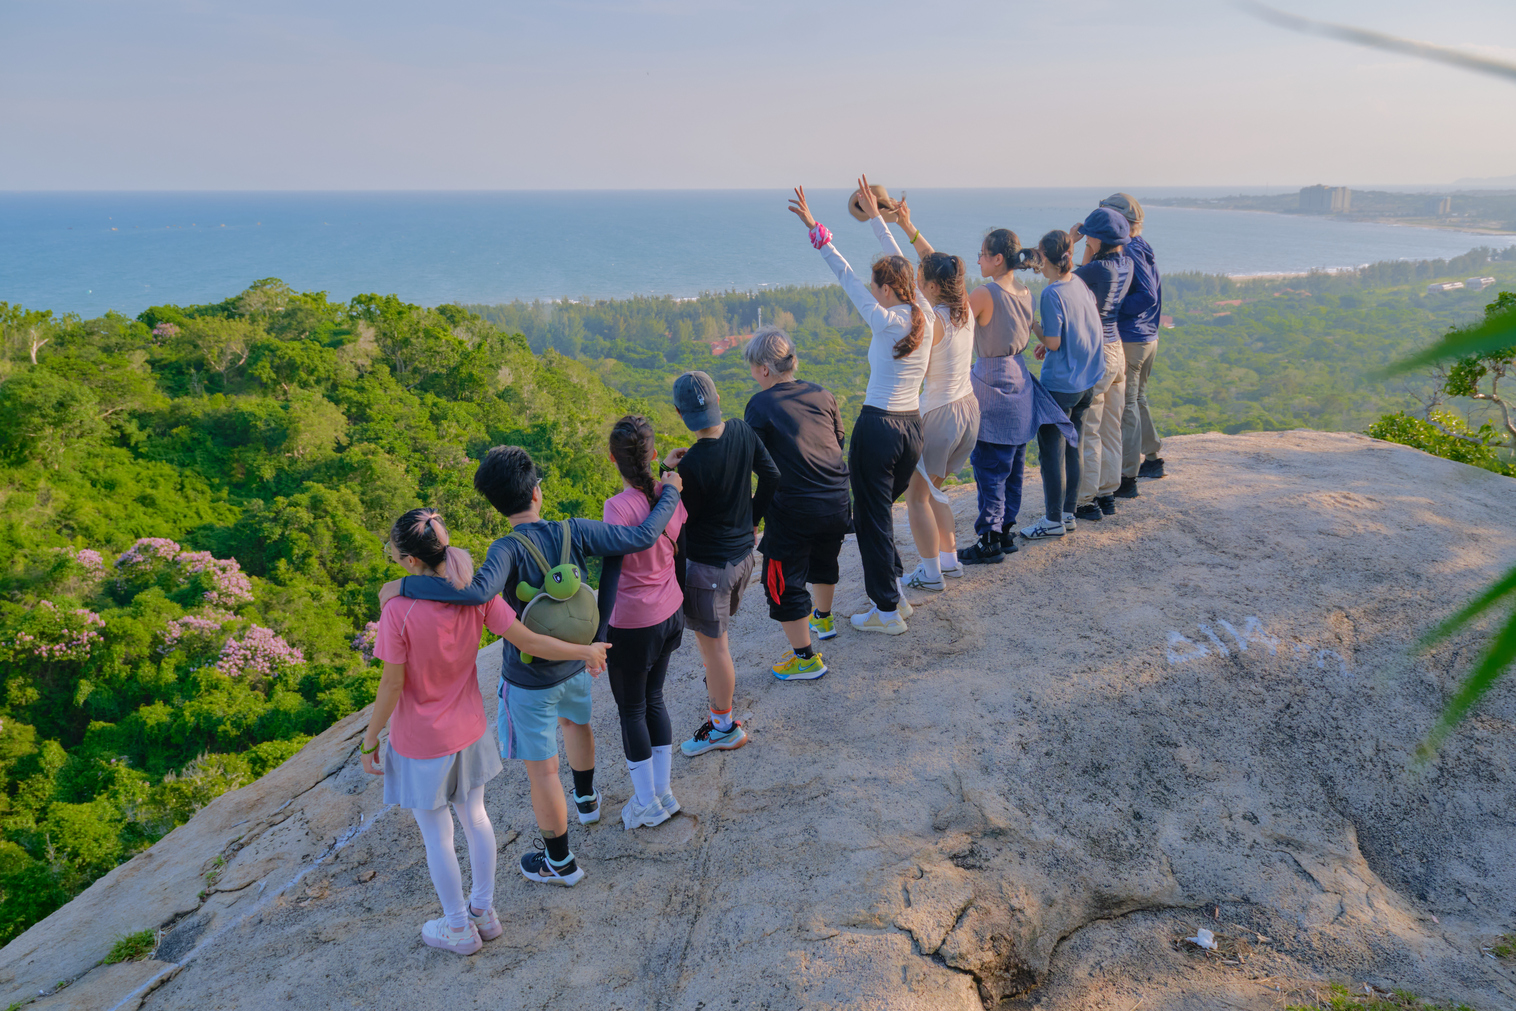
x=718, y=481
x=802, y=429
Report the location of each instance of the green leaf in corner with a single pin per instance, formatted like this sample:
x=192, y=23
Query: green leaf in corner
x=1493, y=334
x=1502, y=587
x=1494, y=663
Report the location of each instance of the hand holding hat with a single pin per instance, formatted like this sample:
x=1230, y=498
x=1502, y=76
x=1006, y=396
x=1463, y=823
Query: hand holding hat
x=871, y=201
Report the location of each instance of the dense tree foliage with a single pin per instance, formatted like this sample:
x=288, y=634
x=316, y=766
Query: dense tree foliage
x=196, y=506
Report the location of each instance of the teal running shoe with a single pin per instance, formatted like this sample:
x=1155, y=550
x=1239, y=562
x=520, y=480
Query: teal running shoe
x=708, y=738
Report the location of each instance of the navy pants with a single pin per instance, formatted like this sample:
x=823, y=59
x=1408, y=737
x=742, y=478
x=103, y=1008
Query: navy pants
x=998, y=470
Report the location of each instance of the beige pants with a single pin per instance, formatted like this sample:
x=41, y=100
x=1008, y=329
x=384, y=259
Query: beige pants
x=1100, y=436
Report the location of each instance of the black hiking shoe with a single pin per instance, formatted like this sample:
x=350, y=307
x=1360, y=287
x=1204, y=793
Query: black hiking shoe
x=985, y=551
x=1128, y=488
x=1152, y=467
x=1089, y=512
x=1008, y=541
x=1107, y=504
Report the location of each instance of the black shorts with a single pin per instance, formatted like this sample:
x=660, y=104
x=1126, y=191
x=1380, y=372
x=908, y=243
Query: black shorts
x=807, y=557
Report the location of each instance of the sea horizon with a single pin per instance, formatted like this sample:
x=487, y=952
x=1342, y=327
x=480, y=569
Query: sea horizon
x=88, y=252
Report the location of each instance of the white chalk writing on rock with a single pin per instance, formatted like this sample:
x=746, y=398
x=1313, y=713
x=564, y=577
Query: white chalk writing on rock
x=1182, y=649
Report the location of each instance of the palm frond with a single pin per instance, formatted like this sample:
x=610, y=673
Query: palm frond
x=1489, y=669
x=1493, y=334
x=1502, y=587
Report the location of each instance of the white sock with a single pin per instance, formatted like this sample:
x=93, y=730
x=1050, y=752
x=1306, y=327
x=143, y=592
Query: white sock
x=663, y=757
x=900, y=583
x=887, y=616
x=933, y=568
x=642, y=780
x=947, y=560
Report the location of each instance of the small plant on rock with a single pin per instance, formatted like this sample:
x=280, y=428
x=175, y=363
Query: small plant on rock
x=132, y=947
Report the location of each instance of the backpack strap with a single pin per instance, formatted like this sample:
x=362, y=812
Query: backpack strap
x=532, y=550
x=566, y=555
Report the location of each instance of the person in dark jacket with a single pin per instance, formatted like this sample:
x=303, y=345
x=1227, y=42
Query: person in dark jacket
x=1107, y=270
x=801, y=427
x=1138, y=321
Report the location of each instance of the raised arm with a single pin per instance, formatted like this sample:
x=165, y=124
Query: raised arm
x=868, y=307
x=912, y=233
x=489, y=581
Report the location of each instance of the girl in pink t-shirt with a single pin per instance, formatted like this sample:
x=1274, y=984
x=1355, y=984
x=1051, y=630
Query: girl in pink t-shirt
x=646, y=626
x=438, y=749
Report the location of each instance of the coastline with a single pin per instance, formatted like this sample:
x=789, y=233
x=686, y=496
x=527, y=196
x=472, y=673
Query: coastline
x=1431, y=224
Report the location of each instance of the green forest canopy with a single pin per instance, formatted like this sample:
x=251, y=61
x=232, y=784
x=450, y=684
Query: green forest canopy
x=196, y=499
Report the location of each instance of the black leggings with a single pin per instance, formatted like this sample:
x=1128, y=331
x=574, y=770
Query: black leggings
x=882, y=455
x=636, y=664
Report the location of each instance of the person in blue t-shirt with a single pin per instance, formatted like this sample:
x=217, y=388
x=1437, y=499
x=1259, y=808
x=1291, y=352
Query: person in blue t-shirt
x=1073, y=361
x=1138, y=320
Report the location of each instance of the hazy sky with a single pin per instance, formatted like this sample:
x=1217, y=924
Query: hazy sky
x=203, y=94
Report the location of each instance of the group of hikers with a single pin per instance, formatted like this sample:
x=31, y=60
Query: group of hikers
x=947, y=386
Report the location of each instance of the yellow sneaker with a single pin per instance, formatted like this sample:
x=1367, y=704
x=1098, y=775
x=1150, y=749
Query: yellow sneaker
x=822, y=628
x=793, y=668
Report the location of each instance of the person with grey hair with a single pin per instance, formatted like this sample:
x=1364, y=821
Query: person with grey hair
x=800, y=426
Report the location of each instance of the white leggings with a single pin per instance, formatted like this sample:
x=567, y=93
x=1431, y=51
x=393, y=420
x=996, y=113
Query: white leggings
x=442, y=859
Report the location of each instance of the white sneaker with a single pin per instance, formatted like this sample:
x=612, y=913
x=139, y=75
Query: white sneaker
x=1042, y=529
x=1068, y=522
x=955, y=572
x=666, y=798
x=904, y=608
x=921, y=580
x=872, y=622
x=437, y=934
x=634, y=815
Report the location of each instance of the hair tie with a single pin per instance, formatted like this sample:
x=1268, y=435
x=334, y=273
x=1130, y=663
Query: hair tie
x=438, y=531
x=820, y=235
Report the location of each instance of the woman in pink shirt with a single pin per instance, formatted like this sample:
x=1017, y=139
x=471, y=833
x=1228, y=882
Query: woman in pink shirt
x=439, y=752
x=646, y=626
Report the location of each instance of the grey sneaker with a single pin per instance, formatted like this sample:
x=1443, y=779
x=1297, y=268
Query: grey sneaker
x=666, y=798
x=1042, y=530
x=920, y=580
x=634, y=815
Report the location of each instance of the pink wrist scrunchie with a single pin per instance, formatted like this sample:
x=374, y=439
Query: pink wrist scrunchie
x=820, y=235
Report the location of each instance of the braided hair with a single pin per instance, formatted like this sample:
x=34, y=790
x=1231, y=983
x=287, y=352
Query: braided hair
x=894, y=273
x=420, y=534
x=632, y=448
x=946, y=271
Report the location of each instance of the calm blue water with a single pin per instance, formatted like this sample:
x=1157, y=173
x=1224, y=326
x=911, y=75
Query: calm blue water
x=89, y=252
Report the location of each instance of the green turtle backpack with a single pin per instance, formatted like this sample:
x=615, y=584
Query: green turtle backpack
x=564, y=606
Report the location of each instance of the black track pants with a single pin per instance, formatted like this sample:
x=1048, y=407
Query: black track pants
x=881, y=458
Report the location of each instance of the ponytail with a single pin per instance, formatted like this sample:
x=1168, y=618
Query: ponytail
x=1057, y=248
x=946, y=271
x=894, y=272
x=632, y=447
x=1002, y=242
x=420, y=534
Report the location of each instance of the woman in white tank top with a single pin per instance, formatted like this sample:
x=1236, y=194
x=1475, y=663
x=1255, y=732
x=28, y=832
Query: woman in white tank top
x=949, y=409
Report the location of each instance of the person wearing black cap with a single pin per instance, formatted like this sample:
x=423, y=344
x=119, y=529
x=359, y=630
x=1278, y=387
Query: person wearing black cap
x=724, y=513
x=1138, y=322
x=1108, y=273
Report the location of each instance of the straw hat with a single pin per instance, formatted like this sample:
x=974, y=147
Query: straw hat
x=886, y=204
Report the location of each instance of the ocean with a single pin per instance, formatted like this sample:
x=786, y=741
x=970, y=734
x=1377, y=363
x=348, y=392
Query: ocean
x=87, y=253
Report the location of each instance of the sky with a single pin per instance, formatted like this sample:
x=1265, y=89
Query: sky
x=731, y=94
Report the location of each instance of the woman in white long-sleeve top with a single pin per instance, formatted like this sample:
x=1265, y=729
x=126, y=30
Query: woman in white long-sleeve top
x=886, y=439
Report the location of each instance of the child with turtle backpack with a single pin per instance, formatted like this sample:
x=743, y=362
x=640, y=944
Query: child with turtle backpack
x=538, y=694
x=437, y=752
x=646, y=627
x=724, y=512
x=803, y=529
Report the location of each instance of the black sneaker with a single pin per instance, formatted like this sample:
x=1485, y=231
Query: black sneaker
x=589, y=808
x=1107, y=504
x=1008, y=541
x=1089, y=512
x=985, y=551
x=535, y=866
x=1128, y=488
x=1152, y=467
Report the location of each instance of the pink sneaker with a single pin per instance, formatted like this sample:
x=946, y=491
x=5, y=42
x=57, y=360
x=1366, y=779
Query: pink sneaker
x=437, y=934
x=487, y=923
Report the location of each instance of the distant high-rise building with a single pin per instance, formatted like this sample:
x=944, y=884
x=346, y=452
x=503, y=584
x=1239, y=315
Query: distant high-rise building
x=1326, y=199
x=1440, y=206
